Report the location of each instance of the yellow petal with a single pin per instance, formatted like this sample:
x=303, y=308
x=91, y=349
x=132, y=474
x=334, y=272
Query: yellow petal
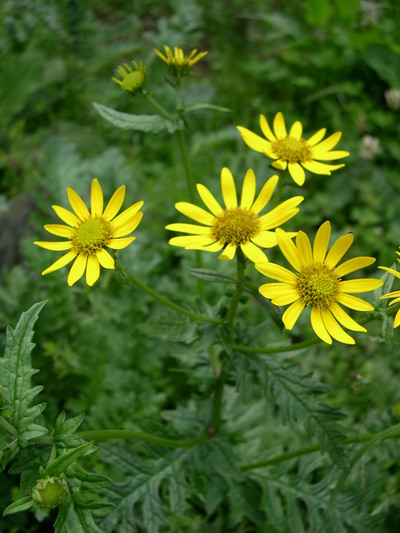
x=55, y=246
x=265, y=239
x=312, y=141
x=292, y=313
x=297, y=173
x=320, y=168
x=334, y=329
x=342, y=317
x=118, y=244
x=77, y=269
x=228, y=253
x=105, y=259
x=329, y=156
x=353, y=264
x=273, y=290
x=92, y=270
x=59, y=230
x=254, y=141
x=281, y=213
x=189, y=228
x=209, y=199
x=339, y=248
x=319, y=326
x=126, y=215
x=114, y=205
x=353, y=302
x=288, y=249
x=304, y=249
x=354, y=286
x=321, y=242
x=248, y=189
x=129, y=226
x=253, y=252
x=329, y=142
x=296, y=130
x=195, y=213
x=265, y=195
x=96, y=199
x=279, y=126
x=64, y=260
x=78, y=204
x=266, y=129
x=228, y=188
x=192, y=241
x=278, y=272
x=66, y=216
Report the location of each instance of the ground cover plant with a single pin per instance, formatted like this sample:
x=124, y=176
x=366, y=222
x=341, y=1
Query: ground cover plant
x=199, y=294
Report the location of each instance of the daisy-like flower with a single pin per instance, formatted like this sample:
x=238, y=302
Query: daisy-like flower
x=132, y=79
x=317, y=283
x=292, y=151
x=88, y=234
x=178, y=63
x=394, y=294
x=226, y=228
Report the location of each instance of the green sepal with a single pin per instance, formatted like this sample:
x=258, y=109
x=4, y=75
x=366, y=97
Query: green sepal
x=145, y=123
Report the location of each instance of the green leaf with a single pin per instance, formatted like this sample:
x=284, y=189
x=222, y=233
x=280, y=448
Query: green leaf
x=201, y=106
x=146, y=123
x=20, y=505
x=60, y=465
x=385, y=63
x=318, y=12
x=15, y=378
x=65, y=436
x=170, y=330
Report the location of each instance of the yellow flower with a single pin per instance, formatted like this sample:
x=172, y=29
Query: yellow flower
x=318, y=284
x=89, y=233
x=292, y=151
x=233, y=226
x=178, y=62
x=394, y=294
x=132, y=80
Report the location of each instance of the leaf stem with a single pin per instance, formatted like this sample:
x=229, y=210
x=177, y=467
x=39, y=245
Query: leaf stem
x=355, y=439
x=162, y=299
x=276, y=349
x=161, y=109
x=99, y=435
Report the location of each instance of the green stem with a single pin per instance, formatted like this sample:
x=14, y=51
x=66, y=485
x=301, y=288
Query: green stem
x=99, y=435
x=276, y=349
x=217, y=403
x=239, y=287
x=158, y=106
x=281, y=184
x=356, y=439
x=162, y=299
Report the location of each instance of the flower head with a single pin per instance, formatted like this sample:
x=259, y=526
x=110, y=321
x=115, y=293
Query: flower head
x=88, y=234
x=395, y=294
x=49, y=492
x=291, y=150
x=234, y=225
x=317, y=283
x=132, y=79
x=178, y=63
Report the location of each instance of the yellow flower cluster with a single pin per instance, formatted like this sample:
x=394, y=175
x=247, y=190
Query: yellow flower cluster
x=249, y=224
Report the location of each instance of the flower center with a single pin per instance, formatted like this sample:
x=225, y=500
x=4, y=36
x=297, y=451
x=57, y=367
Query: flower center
x=91, y=235
x=318, y=286
x=235, y=226
x=133, y=81
x=292, y=150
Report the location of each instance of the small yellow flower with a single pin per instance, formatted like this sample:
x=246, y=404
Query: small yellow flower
x=318, y=284
x=132, y=80
x=394, y=294
x=178, y=63
x=89, y=233
x=233, y=226
x=291, y=150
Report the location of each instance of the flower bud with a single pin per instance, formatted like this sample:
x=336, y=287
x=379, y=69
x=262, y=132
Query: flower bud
x=49, y=492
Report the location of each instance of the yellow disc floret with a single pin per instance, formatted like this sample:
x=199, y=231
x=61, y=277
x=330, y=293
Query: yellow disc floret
x=235, y=226
x=92, y=235
x=292, y=150
x=318, y=286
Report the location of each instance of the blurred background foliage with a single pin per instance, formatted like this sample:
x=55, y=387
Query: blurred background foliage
x=101, y=350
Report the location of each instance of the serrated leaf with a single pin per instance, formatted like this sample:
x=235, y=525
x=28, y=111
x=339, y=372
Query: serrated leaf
x=73, y=518
x=15, y=377
x=65, y=431
x=209, y=275
x=145, y=123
